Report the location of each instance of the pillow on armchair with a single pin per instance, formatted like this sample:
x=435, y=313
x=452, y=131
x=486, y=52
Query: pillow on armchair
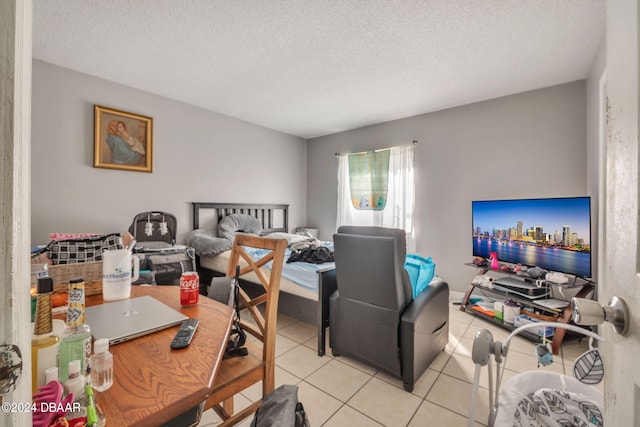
x=421, y=271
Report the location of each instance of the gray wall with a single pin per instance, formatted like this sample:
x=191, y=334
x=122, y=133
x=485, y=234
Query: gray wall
x=531, y=144
x=198, y=155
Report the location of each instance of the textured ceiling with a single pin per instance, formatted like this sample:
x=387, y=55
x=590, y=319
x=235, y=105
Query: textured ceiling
x=316, y=67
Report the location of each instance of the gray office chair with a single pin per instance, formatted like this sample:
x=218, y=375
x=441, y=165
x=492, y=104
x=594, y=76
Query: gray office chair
x=373, y=316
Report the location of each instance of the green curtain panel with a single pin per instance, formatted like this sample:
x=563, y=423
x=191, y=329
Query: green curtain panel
x=368, y=179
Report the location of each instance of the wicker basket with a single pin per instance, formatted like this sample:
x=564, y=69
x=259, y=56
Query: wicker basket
x=91, y=272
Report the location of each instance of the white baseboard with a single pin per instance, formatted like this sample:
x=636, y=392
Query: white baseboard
x=456, y=296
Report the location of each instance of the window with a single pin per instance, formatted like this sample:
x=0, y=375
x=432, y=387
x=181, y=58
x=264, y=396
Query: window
x=369, y=179
x=400, y=195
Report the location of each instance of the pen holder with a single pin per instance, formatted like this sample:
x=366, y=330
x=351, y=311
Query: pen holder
x=511, y=310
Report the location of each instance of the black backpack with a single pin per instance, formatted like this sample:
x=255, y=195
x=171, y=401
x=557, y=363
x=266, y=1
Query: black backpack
x=281, y=408
x=225, y=291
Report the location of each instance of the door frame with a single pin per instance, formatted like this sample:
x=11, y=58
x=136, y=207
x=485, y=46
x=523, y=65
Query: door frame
x=15, y=172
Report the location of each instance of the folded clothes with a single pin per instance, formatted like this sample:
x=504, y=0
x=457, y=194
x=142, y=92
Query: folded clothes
x=483, y=311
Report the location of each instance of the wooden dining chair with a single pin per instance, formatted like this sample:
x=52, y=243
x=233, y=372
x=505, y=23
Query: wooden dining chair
x=238, y=373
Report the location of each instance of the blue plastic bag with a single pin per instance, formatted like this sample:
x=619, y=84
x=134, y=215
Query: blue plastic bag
x=421, y=271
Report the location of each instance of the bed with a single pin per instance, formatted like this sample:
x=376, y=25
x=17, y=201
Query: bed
x=304, y=288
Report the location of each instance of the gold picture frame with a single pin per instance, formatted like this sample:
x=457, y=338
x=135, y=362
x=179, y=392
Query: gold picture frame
x=122, y=140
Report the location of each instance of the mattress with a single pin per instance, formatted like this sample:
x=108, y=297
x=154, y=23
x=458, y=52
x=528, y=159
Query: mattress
x=298, y=278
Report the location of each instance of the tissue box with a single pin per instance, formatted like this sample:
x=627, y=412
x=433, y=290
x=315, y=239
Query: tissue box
x=523, y=319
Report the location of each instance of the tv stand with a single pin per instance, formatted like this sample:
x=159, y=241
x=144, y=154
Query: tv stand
x=541, y=311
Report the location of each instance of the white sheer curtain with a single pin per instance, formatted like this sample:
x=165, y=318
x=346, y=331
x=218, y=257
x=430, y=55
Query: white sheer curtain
x=399, y=211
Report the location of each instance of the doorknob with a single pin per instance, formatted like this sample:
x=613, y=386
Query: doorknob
x=10, y=368
x=588, y=312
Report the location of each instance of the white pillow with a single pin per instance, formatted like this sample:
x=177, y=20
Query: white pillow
x=289, y=237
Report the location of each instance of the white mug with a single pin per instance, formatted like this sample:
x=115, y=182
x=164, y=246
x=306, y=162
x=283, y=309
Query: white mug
x=116, y=273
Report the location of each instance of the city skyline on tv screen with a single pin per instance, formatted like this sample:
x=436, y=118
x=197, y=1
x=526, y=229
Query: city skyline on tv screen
x=554, y=234
x=550, y=214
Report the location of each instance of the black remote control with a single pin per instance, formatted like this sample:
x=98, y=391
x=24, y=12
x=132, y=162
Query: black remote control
x=185, y=333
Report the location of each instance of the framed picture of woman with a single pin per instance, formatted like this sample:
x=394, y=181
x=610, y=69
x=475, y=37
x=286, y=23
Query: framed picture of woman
x=122, y=140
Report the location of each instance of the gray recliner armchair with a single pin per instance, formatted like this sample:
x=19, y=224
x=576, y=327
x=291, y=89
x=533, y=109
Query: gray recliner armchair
x=373, y=316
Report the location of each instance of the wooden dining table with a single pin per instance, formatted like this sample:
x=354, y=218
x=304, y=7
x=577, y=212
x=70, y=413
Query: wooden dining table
x=152, y=383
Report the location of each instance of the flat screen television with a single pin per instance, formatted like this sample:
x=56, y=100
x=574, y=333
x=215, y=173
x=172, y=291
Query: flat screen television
x=553, y=234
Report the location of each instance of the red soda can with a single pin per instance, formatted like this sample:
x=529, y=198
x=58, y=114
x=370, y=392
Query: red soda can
x=189, y=288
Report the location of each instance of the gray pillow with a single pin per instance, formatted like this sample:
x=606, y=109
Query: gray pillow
x=234, y=223
x=206, y=243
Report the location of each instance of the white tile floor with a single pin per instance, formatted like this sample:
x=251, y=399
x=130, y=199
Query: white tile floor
x=343, y=392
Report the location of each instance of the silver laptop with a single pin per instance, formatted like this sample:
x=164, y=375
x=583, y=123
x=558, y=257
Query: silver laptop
x=124, y=320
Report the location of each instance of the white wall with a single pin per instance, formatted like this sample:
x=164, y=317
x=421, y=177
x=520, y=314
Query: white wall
x=531, y=144
x=198, y=155
x=595, y=153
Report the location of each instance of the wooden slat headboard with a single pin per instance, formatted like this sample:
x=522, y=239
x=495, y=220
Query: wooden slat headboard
x=273, y=217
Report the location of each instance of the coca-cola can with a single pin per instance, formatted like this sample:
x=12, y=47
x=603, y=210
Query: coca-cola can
x=189, y=288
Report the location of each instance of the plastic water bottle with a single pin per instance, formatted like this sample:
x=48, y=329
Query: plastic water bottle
x=75, y=341
x=101, y=363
